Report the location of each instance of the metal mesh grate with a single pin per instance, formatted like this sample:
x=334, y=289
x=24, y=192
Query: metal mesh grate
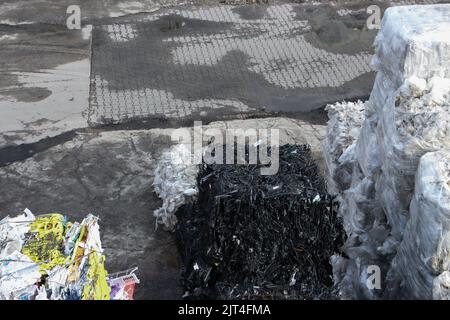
x=223, y=59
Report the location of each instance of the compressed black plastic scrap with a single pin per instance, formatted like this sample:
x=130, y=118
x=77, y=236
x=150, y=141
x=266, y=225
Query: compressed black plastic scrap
x=250, y=236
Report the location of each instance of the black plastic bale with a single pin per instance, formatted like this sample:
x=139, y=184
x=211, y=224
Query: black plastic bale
x=250, y=236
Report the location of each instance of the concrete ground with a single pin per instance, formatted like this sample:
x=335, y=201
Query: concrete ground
x=44, y=83
x=85, y=114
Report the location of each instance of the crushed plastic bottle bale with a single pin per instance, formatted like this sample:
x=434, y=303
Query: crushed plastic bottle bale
x=46, y=257
x=253, y=236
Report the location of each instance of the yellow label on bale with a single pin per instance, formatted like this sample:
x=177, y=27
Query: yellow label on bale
x=45, y=242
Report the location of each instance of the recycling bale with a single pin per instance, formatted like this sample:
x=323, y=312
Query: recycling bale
x=47, y=257
x=253, y=236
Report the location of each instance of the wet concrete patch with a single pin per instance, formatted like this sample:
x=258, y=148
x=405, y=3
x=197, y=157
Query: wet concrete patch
x=32, y=94
x=45, y=75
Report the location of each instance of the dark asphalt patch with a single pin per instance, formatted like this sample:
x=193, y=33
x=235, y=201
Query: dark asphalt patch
x=22, y=152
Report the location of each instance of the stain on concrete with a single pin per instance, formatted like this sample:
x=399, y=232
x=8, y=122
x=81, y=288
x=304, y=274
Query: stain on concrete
x=340, y=33
x=250, y=12
x=45, y=74
x=22, y=152
x=29, y=94
x=36, y=48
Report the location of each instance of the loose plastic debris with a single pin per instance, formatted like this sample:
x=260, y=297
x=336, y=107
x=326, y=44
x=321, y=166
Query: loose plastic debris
x=174, y=182
x=123, y=284
x=46, y=257
x=406, y=117
x=253, y=236
x=343, y=128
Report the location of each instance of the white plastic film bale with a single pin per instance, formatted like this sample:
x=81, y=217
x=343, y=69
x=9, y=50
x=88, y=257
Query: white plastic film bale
x=406, y=117
x=419, y=123
x=412, y=55
x=345, y=120
x=414, y=41
x=424, y=253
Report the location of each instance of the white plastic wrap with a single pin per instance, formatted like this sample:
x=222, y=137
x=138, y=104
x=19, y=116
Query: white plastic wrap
x=423, y=255
x=413, y=58
x=365, y=224
x=18, y=274
x=367, y=150
x=12, y=231
x=362, y=207
x=345, y=120
x=419, y=123
x=414, y=41
x=406, y=116
x=175, y=181
x=363, y=250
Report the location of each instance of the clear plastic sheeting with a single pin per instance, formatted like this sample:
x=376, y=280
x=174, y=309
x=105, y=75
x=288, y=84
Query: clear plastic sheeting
x=406, y=117
x=175, y=182
x=343, y=127
x=417, y=122
x=421, y=266
x=414, y=41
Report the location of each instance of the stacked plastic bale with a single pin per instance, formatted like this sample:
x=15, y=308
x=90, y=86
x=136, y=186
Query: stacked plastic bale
x=351, y=178
x=421, y=268
x=350, y=149
x=413, y=59
x=405, y=117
